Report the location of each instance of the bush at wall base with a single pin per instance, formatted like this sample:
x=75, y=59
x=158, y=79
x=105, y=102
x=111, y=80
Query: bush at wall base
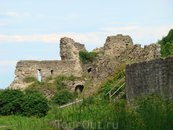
x=15, y=102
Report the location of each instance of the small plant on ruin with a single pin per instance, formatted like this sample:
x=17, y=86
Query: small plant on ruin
x=29, y=79
x=72, y=78
x=87, y=57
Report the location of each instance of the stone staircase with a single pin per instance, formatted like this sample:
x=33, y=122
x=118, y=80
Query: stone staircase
x=115, y=90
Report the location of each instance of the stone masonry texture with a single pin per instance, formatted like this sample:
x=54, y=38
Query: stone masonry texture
x=144, y=78
x=116, y=50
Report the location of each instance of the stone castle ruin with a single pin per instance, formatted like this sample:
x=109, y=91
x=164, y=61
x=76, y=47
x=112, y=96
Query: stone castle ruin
x=144, y=78
x=114, y=52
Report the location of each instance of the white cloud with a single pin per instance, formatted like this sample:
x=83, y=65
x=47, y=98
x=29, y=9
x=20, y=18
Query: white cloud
x=152, y=34
x=138, y=33
x=141, y=34
x=52, y=38
x=7, y=63
x=40, y=16
x=73, y=15
x=120, y=28
x=12, y=14
x=26, y=14
x=2, y=50
x=96, y=38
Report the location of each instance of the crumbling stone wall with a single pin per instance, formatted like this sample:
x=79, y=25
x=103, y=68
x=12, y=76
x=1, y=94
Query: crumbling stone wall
x=148, y=77
x=68, y=51
x=79, y=46
x=69, y=65
x=44, y=69
x=115, y=45
x=116, y=50
x=136, y=53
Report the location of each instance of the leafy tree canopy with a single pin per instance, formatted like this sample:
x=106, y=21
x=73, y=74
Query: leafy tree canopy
x=30, y=103
x=167, y=44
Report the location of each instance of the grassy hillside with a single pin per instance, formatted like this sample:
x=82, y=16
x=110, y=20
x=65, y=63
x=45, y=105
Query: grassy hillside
x=98, y=112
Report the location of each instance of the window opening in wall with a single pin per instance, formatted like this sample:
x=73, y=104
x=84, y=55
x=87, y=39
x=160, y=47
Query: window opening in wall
x=126, y=45
x=89, y=70
x=79, y=88
x=51, y=72
x=39, y=74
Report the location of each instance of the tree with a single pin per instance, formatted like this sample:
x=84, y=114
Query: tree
x=63, y=96
x=167, y=44
x=10, y=101
x=34, y=103
x=15, y=102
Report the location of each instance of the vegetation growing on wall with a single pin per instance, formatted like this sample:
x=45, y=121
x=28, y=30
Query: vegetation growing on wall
x=29, y=79
x=167, y=44
x=86, y=57
x=56, y=89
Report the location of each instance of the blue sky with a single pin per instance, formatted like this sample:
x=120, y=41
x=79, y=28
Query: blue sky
x=31, y=30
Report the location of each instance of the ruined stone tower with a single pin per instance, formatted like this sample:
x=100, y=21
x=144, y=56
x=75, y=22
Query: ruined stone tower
x=115, y=45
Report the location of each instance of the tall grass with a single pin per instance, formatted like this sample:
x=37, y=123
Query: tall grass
x=150, y=113
x=96, y=112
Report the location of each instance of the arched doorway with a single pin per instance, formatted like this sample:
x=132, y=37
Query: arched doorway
x=79, y=88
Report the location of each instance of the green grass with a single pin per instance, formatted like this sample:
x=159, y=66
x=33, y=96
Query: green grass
x=29, y=79
x=58, y=83
x=112, y=80
x=151, y=113
x=97, y=112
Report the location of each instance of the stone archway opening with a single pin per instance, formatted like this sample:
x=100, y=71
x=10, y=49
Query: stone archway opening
x=79, y=88
x=89, y=70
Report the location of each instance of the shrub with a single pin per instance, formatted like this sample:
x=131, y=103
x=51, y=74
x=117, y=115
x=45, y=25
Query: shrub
x=15, y=102
x=10, y=101
x=34, y=103
x=29, y=79
x=86, y=57
x=63, y=96
x=59, y=82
